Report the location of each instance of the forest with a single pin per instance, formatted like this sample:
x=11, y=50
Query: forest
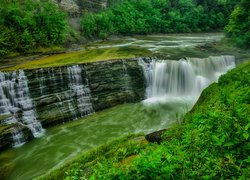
x=27, y=24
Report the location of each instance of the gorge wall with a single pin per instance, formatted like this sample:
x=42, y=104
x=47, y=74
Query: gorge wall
x=65, y=93
x=61, y=94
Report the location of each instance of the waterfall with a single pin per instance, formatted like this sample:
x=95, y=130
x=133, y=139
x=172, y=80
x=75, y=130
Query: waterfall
x=82, y=91
x=18, y=137
x=186, y=78
x=148, y=68
x=125, y=77
x=16, y=104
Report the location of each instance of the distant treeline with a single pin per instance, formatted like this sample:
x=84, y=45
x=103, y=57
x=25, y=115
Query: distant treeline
x=127, y=17
x=157, y=16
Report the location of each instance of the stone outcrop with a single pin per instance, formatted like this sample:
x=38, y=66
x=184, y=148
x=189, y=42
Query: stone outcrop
x=6, y=139
x=75, y=7
x=155, y=137
x=69, y=6
x=115, y=82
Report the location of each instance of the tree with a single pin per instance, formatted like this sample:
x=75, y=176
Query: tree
x=238, y=28
x=30, y=24
x=88, y=25
x=158, y=16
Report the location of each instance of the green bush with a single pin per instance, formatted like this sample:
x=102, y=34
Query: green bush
x=238, y=28
x=29, y=24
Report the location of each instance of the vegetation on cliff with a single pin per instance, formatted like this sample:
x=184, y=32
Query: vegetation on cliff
x=213, y=142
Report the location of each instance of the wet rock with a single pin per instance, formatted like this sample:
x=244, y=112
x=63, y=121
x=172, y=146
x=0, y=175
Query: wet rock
x=70, y=6
x=110, y=83
x=6, y=135
x=155, y=137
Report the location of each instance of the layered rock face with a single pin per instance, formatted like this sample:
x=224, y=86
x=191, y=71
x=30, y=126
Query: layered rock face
x=61, y=94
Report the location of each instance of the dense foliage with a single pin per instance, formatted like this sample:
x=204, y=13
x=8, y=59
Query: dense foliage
x=157, y=16
x=29, y=24
x=238, y=28
x=212, y=143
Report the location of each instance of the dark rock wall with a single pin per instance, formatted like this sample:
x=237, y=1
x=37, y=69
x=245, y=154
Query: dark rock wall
x=115, y=82
x=6, y=139
x=110, y=83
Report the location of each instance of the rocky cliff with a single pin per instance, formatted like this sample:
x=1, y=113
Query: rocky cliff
x=61, y=94
x=76, y=7
x=64, y=93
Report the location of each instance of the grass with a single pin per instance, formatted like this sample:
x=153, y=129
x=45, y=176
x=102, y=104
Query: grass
x=212, y=143
x=89, y=55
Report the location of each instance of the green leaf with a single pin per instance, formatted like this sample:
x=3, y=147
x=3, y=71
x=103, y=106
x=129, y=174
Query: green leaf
x=216, y=140
x=247, y=126
x=227, y=144
x=247, y=160
x=246, y=136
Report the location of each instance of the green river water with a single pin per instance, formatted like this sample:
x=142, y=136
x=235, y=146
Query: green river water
x=62, y=143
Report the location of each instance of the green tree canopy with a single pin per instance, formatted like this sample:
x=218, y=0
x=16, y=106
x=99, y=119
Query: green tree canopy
x=238, y=28
x=30, y=24
x=158, y=16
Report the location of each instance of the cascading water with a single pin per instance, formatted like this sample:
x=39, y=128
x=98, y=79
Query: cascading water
x=18, y=137
x=17, y=106
x=125, y=76
x=186, y=78
x=82, y=91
